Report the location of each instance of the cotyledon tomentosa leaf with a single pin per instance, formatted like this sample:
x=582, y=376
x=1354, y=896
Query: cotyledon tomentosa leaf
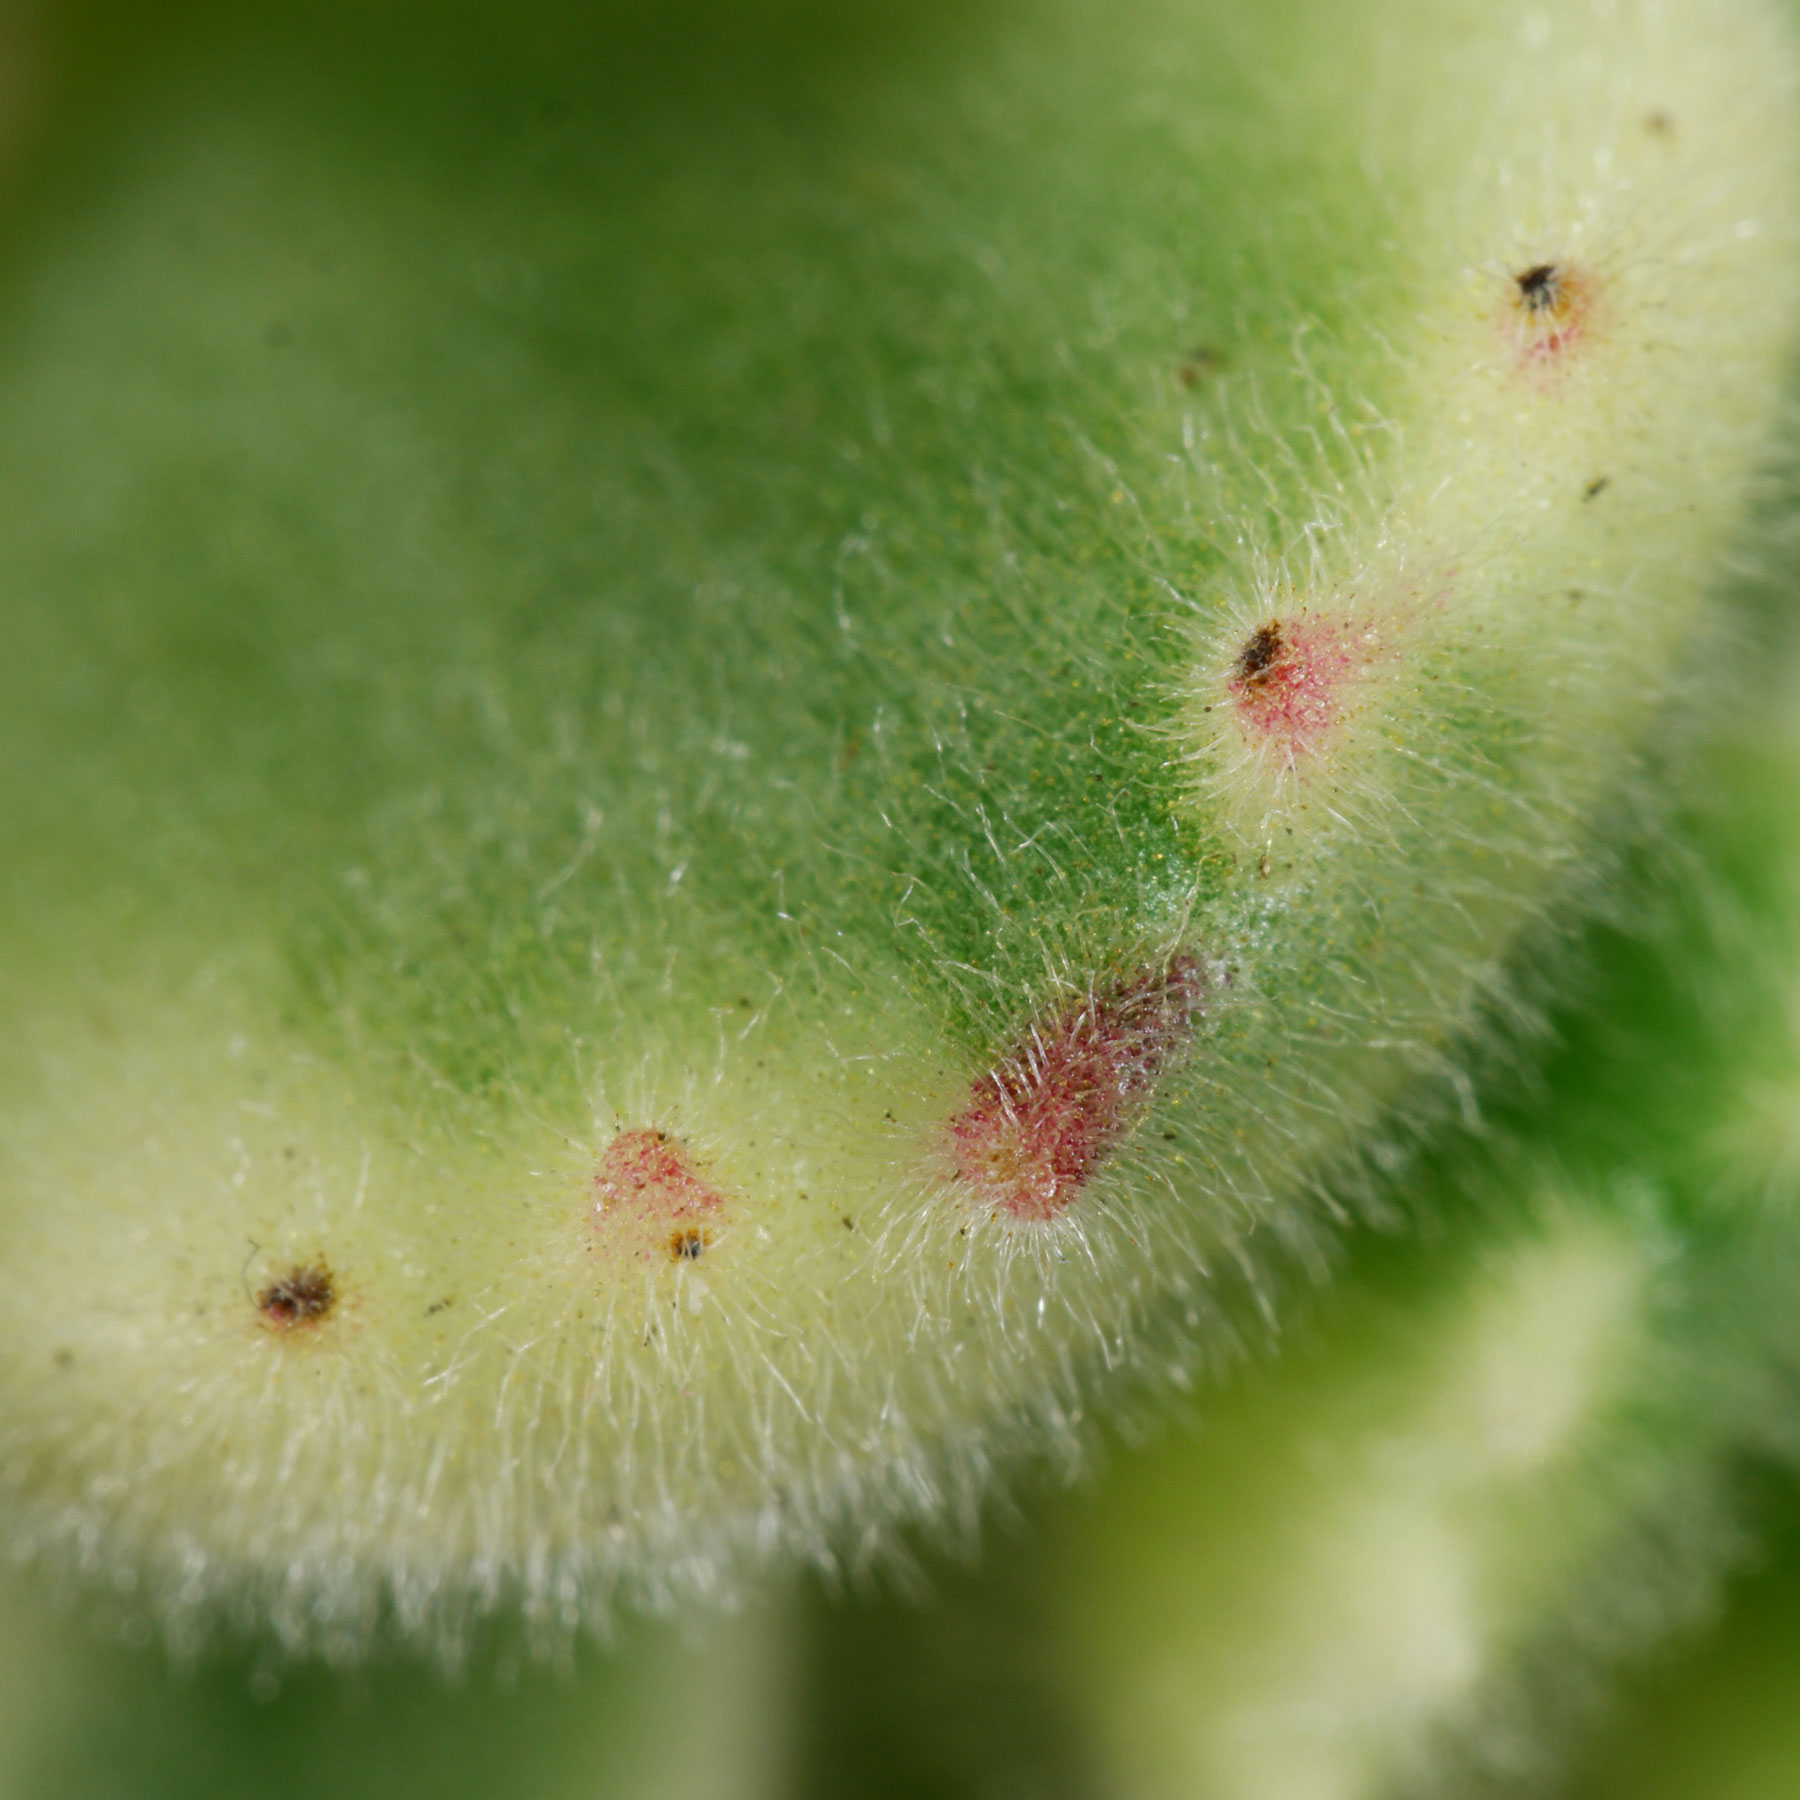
x=731, y=735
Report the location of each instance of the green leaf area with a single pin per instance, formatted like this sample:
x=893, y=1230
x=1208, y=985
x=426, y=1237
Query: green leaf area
x=627, y=635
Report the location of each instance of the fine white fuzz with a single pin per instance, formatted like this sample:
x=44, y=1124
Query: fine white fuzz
x=886, y=1122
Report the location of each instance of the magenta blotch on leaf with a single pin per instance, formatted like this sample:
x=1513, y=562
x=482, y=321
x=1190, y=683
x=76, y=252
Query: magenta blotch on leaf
x=1287, y=681
x=1040, y=1123
x=648, y=1187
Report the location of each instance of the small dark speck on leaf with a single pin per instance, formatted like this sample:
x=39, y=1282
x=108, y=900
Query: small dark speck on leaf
x=687, y=1245
x=1540, y=286
x=1596, y=487
x=1201, y=361
x=303, y=1296
x=1260, y=650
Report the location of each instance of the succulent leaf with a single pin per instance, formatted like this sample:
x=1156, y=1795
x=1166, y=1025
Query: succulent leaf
x=740, y=745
